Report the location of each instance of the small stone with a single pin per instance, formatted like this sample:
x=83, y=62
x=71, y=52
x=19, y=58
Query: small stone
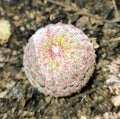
x=5, y=116
x=3, y=94
x=38, y=19
x=16, y=18
x=17, y=23
x=119, y=75
x=112, y=79
x=25, y=113
x=28, y=26
x=22, y=28
x=83, y=22
x=2, y=58
x=1, y=65
x=32, y=15
x=14, y=53
x=10, y=84
x=5, y=31
x=96, y=21
x=48, y=98
x=95, y=44
x=106, y=115
x=17, y=92
x=104, y=55
x=52, y=17
x=98, y=117
x=116, y=101
x=20, y=76
x=83, y=117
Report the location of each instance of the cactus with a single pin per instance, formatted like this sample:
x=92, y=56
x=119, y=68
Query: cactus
x=59, y=59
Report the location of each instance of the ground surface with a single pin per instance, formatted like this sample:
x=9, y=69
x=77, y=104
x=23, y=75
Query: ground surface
x=100, y=20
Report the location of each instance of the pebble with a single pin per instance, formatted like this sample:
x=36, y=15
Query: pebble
x=14, y=52
x=5, y=31
x=16, y=18
x=83, y=22
x=98, y=117
x=83, y=117
x=28, y=26
x=17, y=23
x=20, y=75
x=22, y=28
x=3, y=94
x=116, y=101
x=104, y=55
x=1, y=65
x=17, y=92
x=2, y=58
x=38, y=19
x=32, y=15
x=5, y=116
x=112, y=79
x=94, y=42
x=10, y=84
x=106, y=115
x=48, y=99
x=111, y=115
x=96, y=21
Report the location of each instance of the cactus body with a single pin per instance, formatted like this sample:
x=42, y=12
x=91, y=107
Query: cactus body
x=59, y=59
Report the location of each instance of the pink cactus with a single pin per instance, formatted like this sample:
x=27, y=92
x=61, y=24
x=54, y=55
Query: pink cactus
x=59, y=59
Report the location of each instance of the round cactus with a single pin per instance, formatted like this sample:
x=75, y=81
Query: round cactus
x=59, y=59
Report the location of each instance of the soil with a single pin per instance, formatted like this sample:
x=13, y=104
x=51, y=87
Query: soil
x=100, y=20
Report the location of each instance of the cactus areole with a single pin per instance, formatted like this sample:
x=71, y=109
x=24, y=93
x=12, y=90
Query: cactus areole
x=59, y=59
